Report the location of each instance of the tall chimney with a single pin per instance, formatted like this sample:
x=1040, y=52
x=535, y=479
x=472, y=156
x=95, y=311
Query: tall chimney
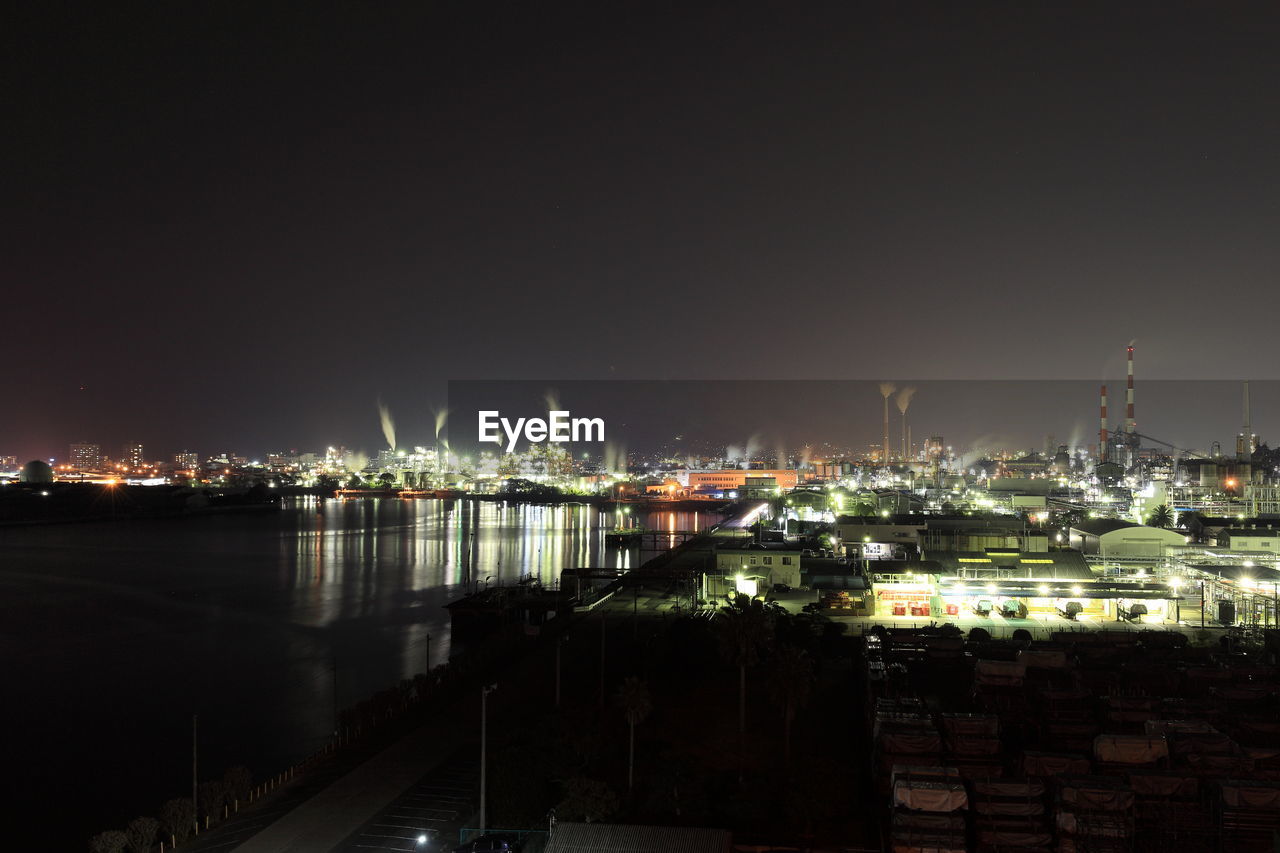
x=1248, y=426
x=1102, y=432
x=1129, y=425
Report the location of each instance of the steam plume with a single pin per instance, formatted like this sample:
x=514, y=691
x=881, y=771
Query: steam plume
x=388, y=425
x=904, y=399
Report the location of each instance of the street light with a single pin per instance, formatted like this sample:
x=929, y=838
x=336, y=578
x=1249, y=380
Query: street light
x=484, y=731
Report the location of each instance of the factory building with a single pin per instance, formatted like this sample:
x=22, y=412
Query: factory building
x=764, y=563
x=1112, y=538
x=1265, y=539
x=724, y=479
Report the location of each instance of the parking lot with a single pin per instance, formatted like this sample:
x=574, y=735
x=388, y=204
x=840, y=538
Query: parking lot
x=429, y=814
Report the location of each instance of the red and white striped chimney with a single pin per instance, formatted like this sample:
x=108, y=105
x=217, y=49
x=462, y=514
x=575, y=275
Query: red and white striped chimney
x=1102, y=432
x=1129, y=425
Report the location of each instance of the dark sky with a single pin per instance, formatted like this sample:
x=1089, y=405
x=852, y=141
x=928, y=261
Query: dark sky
x=236, y=227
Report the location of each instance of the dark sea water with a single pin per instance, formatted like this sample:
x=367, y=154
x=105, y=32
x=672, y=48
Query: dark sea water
x=113, y=634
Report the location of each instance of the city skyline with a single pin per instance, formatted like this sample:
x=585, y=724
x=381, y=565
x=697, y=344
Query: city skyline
x=973, y=416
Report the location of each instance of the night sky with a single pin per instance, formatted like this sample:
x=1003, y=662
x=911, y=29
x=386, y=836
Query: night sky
x=236, y=227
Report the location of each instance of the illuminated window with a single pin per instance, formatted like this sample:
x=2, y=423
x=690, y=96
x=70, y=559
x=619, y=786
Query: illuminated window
x=1050, y=562
x=974, y=560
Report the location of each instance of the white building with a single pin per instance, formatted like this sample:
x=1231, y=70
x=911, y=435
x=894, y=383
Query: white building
x=1251, y=539
x=1109, y=537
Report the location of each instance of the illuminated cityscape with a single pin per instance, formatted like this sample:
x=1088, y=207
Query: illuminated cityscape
x=563, y=428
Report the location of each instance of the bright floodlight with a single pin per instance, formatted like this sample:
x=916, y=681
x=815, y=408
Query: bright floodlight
x=1043, y=589
x=1075, y=590
x=422, y=839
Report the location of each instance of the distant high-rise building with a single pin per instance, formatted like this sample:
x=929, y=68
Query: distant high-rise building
x=85, y=456
x=8, y=463
x=132, y=456
x=187, y=459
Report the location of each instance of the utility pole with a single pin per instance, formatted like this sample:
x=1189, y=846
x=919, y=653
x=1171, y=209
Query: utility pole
x=195, y=809
x=484, y=733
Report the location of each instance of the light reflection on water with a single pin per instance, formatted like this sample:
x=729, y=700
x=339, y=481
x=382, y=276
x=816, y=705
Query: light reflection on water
x=118, y=632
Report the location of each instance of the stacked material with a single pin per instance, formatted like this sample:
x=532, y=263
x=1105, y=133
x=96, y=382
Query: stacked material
x=837, y=599
x=999, y=673
x=929, y=806
x=1010, y=814
x=1121, y=753
x=1049, y=765
x=1203, y=751
x=1094, y=813
x=1128, y=713
x=972, y=743
x=905, y=738
x=1249, y=814
x=1169, y=812
x=998, y=687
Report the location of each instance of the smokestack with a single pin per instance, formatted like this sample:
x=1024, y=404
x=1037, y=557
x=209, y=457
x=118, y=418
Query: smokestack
x=1102, y=432
x=886, y=391
x=904, y=401
x=1129, y=425
x=1245, y=450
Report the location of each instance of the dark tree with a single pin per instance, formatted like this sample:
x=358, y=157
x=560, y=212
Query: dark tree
x=111, y=841
x=141, y=833
x=178, y=816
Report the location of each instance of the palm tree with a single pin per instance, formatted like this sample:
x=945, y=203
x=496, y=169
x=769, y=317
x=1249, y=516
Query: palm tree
x=790, y=683
x=1161, y=516
x=744, y=629
x=633, y=698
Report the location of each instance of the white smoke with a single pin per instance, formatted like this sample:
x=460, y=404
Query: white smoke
x=904, y=399
x=615, y=458
x=388, y=425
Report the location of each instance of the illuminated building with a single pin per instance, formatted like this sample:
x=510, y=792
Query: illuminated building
x=187, y=459
x=735, y=478
x=132, y=455
x=85, y=456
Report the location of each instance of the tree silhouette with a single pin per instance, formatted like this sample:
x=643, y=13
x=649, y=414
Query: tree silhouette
x=111, y=841
x=1161, y=516
x=178, y=816
x=790, y=684
x=744, y=630
x=589, y=800
x=141, y=834
x=633, y=697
